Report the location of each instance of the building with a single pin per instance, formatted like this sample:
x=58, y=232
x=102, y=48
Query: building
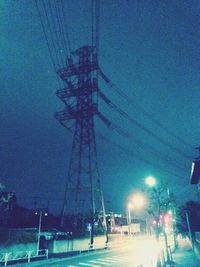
x=195, y=173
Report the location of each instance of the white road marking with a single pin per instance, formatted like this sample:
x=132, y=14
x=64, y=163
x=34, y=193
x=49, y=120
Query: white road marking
x=87, y=264
x=108, y=260
x=99, y=262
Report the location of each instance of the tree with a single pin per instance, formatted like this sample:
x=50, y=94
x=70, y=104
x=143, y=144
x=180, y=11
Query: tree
x=192, y=209
x=160, y=202
x=7, y=199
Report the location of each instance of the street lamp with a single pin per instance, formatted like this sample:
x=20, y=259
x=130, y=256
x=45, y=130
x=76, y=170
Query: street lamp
x=137, y=202
x=39, y=229
x=150, y=181
x=129, y=206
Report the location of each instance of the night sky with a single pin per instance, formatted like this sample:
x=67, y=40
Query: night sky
x=149, y=50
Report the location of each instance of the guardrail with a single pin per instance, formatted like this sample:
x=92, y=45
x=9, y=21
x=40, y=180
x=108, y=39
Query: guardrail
x=25, y=256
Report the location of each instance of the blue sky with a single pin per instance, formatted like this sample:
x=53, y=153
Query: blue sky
x=150, y=50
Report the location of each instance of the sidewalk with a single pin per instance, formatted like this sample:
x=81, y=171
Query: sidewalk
x=186, y=258
x=184, y=255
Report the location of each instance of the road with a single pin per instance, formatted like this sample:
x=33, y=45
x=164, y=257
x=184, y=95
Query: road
x=132, y=254
x=138, y=252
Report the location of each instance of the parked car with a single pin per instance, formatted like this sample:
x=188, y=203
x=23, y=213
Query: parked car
x=53, y=233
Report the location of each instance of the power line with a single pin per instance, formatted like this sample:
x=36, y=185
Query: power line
x=95, y=11
x=51, y=33
x=139, y=125
x=45, y=35
x=136, y=156
x=47, y=41
x=131, y=101
x=92, y=22
x=63, y=7
x=142, y=145
x=55, y=24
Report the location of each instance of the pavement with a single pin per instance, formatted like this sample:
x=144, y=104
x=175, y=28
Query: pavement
x=184, y=256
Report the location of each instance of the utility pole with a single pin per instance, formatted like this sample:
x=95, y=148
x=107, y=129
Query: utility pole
x=35, y=202
x=80, y=95
x=189, y=229
x=39, y=228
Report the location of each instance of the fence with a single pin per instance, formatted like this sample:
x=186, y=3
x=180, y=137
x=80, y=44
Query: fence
x=24, y=256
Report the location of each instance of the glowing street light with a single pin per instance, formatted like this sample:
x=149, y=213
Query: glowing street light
x=150, y=181
x=137, y=202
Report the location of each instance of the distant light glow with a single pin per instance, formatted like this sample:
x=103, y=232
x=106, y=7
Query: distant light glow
x=130, y=205
x=138, y=200
x=150, y=181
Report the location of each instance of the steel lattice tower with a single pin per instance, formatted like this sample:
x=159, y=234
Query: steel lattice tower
x=83, y=194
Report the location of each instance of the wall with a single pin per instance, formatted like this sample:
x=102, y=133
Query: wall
x=60, y=246
x=78, y=244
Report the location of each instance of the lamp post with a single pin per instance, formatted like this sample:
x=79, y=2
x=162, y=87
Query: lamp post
x=39, y=229
x=151, y=182
x=137, y=202
x=189, y=229
x=129, y=218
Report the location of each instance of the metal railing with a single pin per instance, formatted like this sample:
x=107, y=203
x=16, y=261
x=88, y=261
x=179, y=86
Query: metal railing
x=25, y=256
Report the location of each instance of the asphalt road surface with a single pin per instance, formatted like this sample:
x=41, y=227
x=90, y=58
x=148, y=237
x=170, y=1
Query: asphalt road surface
x=138, y=253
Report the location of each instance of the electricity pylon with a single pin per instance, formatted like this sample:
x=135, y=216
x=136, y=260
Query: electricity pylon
x=83, y=194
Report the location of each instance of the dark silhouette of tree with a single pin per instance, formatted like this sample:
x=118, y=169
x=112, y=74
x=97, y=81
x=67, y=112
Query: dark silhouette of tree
x=192, y=208
x=161, y=200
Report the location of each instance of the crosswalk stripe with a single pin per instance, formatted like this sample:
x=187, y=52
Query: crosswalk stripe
x=117, y=257
x=87, y=264
x=108, y=260
x=100, y=262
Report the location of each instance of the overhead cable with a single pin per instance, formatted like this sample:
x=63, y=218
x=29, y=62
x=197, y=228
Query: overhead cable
x=57, y=52
x=131, y=101
x=57, y=30
x=60, y=28
x=47, y=41
x=65, y=25
x=136, y=156
x=122, y=132
x=139, y=125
